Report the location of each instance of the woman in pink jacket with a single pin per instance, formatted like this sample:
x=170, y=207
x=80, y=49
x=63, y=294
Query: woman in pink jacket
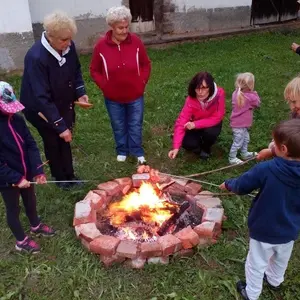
x=200, y=121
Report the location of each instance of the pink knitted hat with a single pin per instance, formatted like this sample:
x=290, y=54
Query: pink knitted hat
x=8, y=101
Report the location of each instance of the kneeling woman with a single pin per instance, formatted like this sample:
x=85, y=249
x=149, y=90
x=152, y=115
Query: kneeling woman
x=200, y=121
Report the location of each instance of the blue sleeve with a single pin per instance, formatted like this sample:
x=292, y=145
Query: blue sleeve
x=246, y=183
x=39, y=82
x=8, y=175
x=33, y=152
x=79, y=83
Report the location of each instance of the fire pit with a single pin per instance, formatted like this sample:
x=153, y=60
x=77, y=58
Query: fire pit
x=147, y=218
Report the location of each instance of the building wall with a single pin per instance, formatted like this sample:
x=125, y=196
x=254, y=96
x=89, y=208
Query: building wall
x=15, y=34
x=184, y=16
x=89, y=15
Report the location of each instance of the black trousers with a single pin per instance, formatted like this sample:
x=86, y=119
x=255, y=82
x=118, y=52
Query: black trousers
x=201, y=139
x=57, y=151
x=11, y=197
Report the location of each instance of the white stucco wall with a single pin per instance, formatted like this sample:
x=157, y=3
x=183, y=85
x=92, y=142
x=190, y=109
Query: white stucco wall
x=15, y=16
x=185, y=5
x=80, y=9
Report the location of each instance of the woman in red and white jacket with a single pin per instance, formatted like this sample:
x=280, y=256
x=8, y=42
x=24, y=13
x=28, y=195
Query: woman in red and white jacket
x=121, y=68
x=200, y=120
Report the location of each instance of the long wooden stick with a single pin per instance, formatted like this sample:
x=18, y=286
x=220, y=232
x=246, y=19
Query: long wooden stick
x=220, y=169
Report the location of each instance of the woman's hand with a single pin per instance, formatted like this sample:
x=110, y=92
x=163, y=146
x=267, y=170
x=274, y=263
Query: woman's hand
x=189, y=125
x=40, y=179
x=24, y=184
x=84, y=99
x=66, y=135
x=173, y=153
x=264, y=154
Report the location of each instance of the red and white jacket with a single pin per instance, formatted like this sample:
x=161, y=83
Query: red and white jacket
x=120, y=71
x=203, y=114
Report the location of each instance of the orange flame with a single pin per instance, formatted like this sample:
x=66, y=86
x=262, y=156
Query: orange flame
x=144, y=204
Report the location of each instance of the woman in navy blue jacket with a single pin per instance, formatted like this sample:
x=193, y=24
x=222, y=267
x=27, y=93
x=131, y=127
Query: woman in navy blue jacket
x=51, y=83
x=20, y=163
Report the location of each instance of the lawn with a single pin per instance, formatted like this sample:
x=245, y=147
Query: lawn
x=64, y=270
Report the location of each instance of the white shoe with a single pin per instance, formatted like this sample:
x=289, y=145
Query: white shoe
x=248, y=155
x=121, y=158
x=235, y=161
x=141, y=160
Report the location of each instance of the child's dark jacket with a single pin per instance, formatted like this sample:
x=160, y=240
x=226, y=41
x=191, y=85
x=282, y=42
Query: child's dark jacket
x=19, y=155
x=274, y=216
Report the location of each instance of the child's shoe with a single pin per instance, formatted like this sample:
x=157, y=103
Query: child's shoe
x=248, y=155
x=235, y=161
x=204, y=155
x=28, y=245
x=275, y=288
x=121, y=158
x=241, y=288
x=141, y=160
x=43, y=230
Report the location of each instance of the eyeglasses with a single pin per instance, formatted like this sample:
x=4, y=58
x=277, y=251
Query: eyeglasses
x=202, y=87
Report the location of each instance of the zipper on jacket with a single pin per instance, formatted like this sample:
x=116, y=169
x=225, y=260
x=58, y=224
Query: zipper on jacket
x=105, y=65
x=19, y=146
x=137, y=61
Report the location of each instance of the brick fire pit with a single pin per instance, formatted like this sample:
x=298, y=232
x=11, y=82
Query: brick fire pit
x=202, y=221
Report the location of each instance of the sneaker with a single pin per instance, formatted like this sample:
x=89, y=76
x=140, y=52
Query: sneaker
x=141, y=160
x=43, y=230
x=235, y=161
x=248, y=155
x=241, y=288
x=121, y=158
x=269, y=284
x=204, y=155
x=28, y=245
x=78, y=182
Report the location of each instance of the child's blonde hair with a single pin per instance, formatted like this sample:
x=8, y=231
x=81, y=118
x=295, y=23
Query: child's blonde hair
x=292, y=90
x=244, y=82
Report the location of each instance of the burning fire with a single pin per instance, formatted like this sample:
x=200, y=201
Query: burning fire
x=144, y=206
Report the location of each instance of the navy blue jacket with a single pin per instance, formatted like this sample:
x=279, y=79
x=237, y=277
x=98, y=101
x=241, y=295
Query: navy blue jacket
x=274, y=216
x=49, y=88
x=19, y=155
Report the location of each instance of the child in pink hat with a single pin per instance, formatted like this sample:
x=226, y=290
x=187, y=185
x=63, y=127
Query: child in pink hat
x=20, y=164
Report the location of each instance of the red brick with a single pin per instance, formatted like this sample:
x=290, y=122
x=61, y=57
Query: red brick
x=110, y=260
x=98, y=202
x=164, y=178
x=169, y=244
x=182, y=182
x=151, y=249
x=136, y=263
x=84, y=213
x=189, y=238
x=176, y=190
x=106, y=198
x=86, y=244
x=105, y=245
x=111, y=187
x=164, y=260
x=208, y=202
x=206, y=229
x=123, y=181
x=193, y=188
x=154, y=176
x=87, y=231
x=213, y=215
x=127, y=249
x=204, y=242
x=126, y=189
x=137, y=179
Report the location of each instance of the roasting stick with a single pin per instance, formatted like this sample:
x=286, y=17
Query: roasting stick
x=220, y=169
x=203, y=182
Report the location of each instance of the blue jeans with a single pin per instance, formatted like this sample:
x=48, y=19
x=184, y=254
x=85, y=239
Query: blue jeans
x=126, y=121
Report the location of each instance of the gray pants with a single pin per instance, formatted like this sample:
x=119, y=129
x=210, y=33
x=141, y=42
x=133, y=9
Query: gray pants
x=241, y=140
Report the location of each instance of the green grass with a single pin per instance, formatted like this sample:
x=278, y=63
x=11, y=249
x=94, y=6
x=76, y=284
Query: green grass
x=64, y=270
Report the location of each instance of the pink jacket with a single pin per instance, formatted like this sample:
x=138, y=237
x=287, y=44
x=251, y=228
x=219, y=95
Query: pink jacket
x=203, y=114
x=242, y=117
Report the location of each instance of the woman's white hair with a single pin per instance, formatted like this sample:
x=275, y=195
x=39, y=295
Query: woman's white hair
x=117, y=14
x=57, y=21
